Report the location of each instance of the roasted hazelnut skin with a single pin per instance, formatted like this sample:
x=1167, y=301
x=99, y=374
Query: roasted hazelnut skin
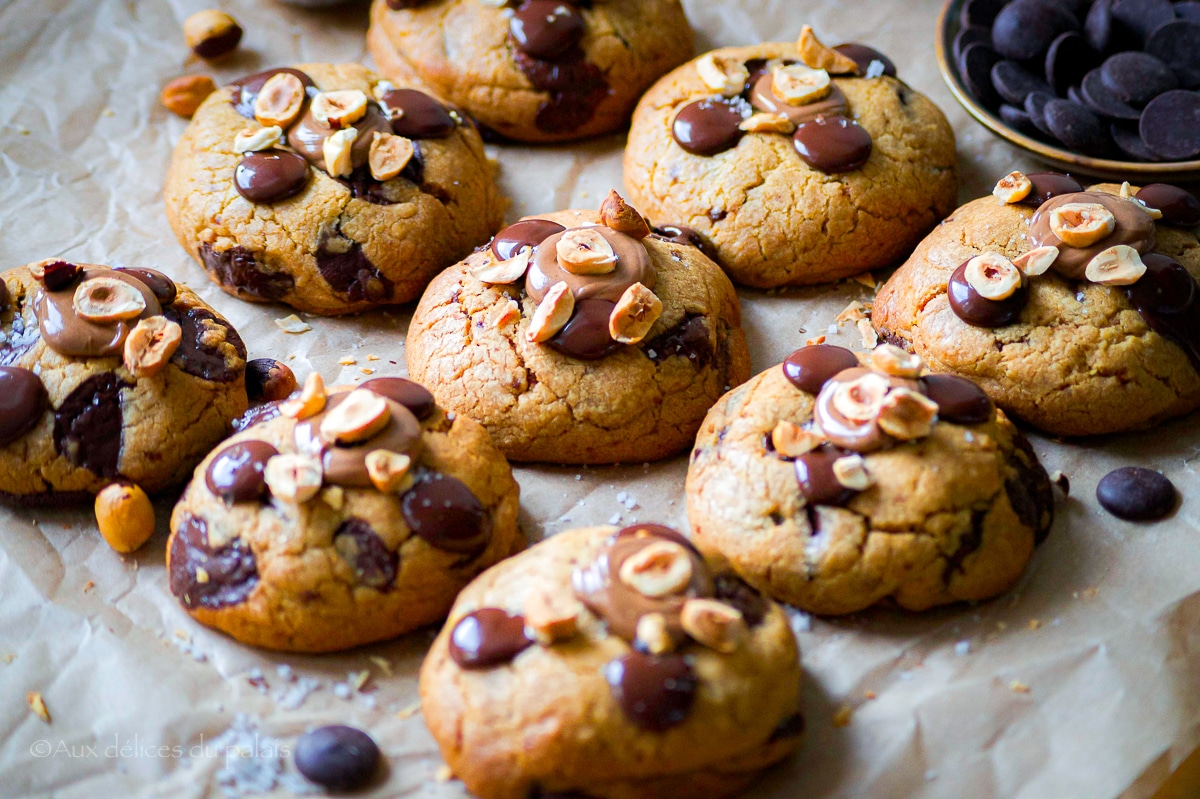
x=183, y=95
x=211, y=33
x=268, y=380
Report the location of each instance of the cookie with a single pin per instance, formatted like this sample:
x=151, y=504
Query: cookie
x=533, y=70
x=574, y=342
x=109, y=375
x=329, y=190
x=339, y=519
x=836, y=481
x=1075, y=348
x=613, y=665
x=795, y=177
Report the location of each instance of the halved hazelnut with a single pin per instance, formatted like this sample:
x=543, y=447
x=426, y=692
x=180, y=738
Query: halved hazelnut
x=818, y=56
x=767, y=123
x=251, y=140
x=1082, y=224
x=906, y=414
x=503, y=272
x=1012, y=188
x=584, y=251
x=1120, y=265
x=150, y=345
x=1037, y=261
x=792, y=440
x=506, y=314
x=859, y=399
x=389, y=471
x=552, y=313
x=653, y=634
x=310, y=402
x=993, y=276
x=338, y=150
x=714, y=624
x=851, y=472
x=280, y=100
x=894, y=361
x=107, y=299
x=634, y=314
x=725, y=76
x=797, y=84
x=389, y=155
x=293, y=478
x=358, y=417
x=661, y=568
x=552, y=616
x=622, y=217
x=339, y=109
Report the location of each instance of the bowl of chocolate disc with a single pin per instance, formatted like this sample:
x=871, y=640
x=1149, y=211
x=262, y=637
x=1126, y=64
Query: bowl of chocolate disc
x=1107, y=87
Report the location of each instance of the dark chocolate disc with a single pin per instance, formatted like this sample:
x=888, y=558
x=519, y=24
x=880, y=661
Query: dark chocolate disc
x=809, y=368
x=527, y=233
x=1098, y=25
x=1177, y=44
x=1024, y=29
x=337, y=757
x=1170, y=125
x=1130, y=143
x=416, y=115
x=1077, y=127
x=1014, y=83
x=1135, y=19
x=1048, y=185
x=707, y=127
x=656, y=692
x=411, y=395
x=163, y=287
x=1103, y=100
x=980, y=12
x=1136, y=77
x=1018, y=119
x=546, y=29
x=967, y=37
x=864, y=56
x=487, y=637
x=818, y=483
x=23, y=401
x=236, y=474
x=245, y=91
x=974, y=309
x=1178, y=206
x=975, y=67
x=586, y=335
x=443, y=511
x=1068, y=60
x=271, y=176
x=1136, y=494
x=833, y=144
x=958, y=399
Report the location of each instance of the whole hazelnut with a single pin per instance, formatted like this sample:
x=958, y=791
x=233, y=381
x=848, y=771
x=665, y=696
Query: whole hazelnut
x=268, y=380
x=125, y=516
x=184, y=95
x=211, y=33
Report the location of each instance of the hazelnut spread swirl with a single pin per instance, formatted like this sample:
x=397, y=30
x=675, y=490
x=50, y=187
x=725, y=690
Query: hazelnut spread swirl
x=848, y=408
x=346, y=464
x=308, y=135
x=1133, y=227
x=632, y=266
x=763, y=97
x=68, y=333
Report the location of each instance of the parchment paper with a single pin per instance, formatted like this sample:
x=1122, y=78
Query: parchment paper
x=1082, y=682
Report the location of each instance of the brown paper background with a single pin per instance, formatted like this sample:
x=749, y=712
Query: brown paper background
x=1113, y=703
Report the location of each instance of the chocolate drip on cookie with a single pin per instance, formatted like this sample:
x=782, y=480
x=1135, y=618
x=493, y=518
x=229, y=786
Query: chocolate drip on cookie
x=1132, y=227
x=348, y=270
x=112, y=310
x=240, y=269
x=209, y=577
x=88, y=425
x=526, y=233
x=375, y=566
x=209, y=347
x=344, y=463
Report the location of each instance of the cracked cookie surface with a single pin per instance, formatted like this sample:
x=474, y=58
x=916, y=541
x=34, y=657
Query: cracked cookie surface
x=468, y=343
x=950, y=516
x=335, y=245
x=546, y=720
x=353, y=564
x=773, y=219
x=463, y=50
x=90, y=421
x=1079, y=360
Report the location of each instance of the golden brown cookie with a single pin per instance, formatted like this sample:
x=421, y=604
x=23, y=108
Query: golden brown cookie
x=845, y=181
x=109, y=375
x=335, y=520
x=835, y=481
x=615, y=665
x=533, y=70
x=1063, y=352
x=330, y=190
x=617, y=364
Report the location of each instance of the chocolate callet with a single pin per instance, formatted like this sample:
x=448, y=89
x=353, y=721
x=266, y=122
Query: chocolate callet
x=270, y=176
x=656, y=692
x=1029, y=491
x=338, y=757
x=809, y=368
x=1178, y=206
x=163, y=287
x=197, y=355
x=420, y=117
x=88, y=425
x=442, y=510
x=526, y=233
x=1165, y=296
x=488, y=637
x=546, y=29
x=586, y=335
x=864, y=56
x=576, y=87
x=351, y=272
x=236, y=474
x=57, y=275
x=362, y=548
x=408, y=393
x=833, y=144
x=818, y=483
x=1048, y=185
x=733, y=591
x=682, y=234
x=257, y=415
x=959, y=400
x=1134, y=493
x=977, y=310
x=707, y=127
x=230, y=572
x=239, y=269
x=23, y=400
x=688, y=339
x=245, y=91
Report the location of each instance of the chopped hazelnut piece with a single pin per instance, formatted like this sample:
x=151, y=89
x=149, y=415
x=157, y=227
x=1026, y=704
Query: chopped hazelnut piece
x=993, y=276
x=251, y=140
x=792, y=440
x=658, y=569
x=1082, y=224
x=150, y=345
x=891, y=360
x=1037, y=261
x=634, y=314
x=339, y=109
x=310, y=402
x=851, y=472
x=504, y=272
x=38, y=705
x=714, y=624
x=1120, y=265
x=389, y=155
x=552, y=616
x=107, y=299
x=358, y=417
x=389, y=471
x=338, y=150
x=653, y=634
x=1012, y=188
x=906, y=414
x=584, y=251
x=767, y=123
x=797, y=84
x=867, y=334
x=859, y=400
x=293, y=478
x=818, y=56
x=552, y=313
x=725, y=76
x=280, y=100
x=184, y=95
x=619, y=215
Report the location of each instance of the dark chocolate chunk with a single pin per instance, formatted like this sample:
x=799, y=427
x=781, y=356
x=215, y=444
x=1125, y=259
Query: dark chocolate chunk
x=526, y=233
x=707, y=127
x=959, y=400
x=1136, y=494
x=57, y=275
x=969, y=36
x=809, y=368
x=576, y=87
x=441, y=510
x=1177, y=44
x=230, y=572
x=1098, y=27
x=733, y=591
x=362, y=548
x=1035, y=107
x=1024, y=29
x=363, y=185
x=1028, y=489
x=89, y=423
x=1170, y=125
x=23, y=401
x=1069, y=58
x=245, y=91
x=163, y=287
x=1137, y=18
x=268, y=380
x=488, y=637
x=337, y=757
x=974, y=309
x=1130, y=143
x=239, y=269
x=585, y=335
x=689, y=339
x=236, y=474
x=682, y=234
x=975, y=68
x=1017, y=119
x=864, y=56
x=196, y=354
x=1165, y=296
x=411, y=395
x=818, y=483
x=833, y=144
x=656, y=692
x=416, y=115
x=981, y=12
x=350, y=272
x=968, y=542
x=546, y=29
x=1014, y=83
x=1104, y=100
x=3, y=296
x=270, y=176
x=1178, y=206
x=1137, y=78
x=1077, y=127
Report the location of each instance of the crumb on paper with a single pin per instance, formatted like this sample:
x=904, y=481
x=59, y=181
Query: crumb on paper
x=9, y=658
x=372, y=357
x=385, y=668
x=851, y=313
x=869, y=337
x=812, y=342
x=443, y=773
x=871, y=695
x=347, y=361
x=866, y=279
x=358, y=679
x=89, y=585
x=293, y=324
x=843, y=715
x=38, y=705
x=1035, y=624
x=1018, y=687
x=409, y=712
x=366, y=371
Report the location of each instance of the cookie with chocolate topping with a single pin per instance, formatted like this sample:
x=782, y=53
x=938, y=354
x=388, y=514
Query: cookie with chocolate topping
x=577, y=337
x=560, y=669
x=328, y=189
x=344, y=517
x=1073, y=307
x=109, y=375
x=799, y=163
x=533, y=70
x=836, y=481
